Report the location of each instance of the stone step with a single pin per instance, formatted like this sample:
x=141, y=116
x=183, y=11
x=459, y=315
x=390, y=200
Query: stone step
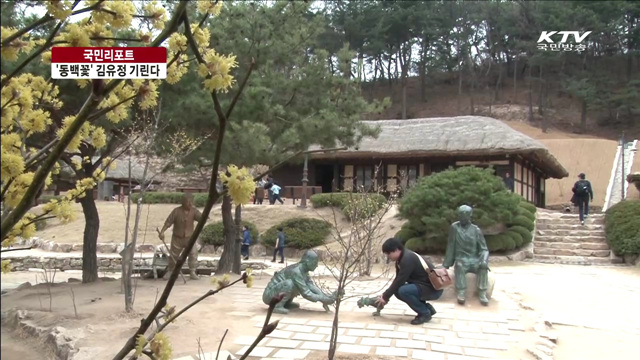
x=570, y=239
x=576, y=260
x=567, y=232
x=568, y=252
x=572, y=246
x=575, y=221
x=567, y=216
x=577, y=226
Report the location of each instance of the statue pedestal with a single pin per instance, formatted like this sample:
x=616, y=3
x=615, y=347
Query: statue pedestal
x=451, y=292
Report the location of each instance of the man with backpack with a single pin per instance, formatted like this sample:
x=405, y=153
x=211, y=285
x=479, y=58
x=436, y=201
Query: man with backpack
x=582, y=193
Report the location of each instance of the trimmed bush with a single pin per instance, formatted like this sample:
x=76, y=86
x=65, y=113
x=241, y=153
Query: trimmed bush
x=416, y=244
x=407, y=232
x=431, y=205
x=199, y=199
x=526, y=234
x=213, y=234
x=516, y=237
x=500, y=242
x=368, y=204
x=622, y=226
x=301, y=233
x=523, y=221
x=526, y=213
x=528, y=206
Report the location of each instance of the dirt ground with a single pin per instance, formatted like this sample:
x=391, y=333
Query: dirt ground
x=112, y=216
x=595, y=159
x=600, y=303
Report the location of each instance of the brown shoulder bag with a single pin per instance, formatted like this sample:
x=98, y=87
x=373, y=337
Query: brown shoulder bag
x=439, y=278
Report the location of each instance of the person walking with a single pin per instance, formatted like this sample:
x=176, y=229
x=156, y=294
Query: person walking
x=246, y=242
x=582, y=194
x=275, y=190
x=280, y=243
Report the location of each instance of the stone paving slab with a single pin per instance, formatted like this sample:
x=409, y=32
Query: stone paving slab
x=455, y=333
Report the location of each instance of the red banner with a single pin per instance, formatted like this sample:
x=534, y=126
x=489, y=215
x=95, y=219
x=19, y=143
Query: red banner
x=75, y=55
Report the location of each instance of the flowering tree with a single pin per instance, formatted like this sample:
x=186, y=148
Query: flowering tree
x=36, y=135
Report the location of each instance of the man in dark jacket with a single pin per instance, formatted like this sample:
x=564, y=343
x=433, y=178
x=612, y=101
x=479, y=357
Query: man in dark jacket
x=411, y=284
x=280, y=244
x=582, y=193
x=246, y=242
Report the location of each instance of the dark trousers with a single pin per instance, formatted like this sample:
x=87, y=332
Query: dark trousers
x=244, y=250
x=276, y=251
x=583, y=207
x=411, y=294
x=276, y=197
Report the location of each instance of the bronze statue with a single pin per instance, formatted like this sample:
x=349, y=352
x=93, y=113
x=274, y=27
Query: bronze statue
x=371, y=301
x=182, y=219
x=467, y=248
x=294, y=280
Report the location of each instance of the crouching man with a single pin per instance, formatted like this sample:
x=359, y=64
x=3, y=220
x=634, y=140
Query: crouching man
x=411, y=285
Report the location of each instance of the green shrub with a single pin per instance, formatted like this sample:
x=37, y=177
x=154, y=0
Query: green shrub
x=500, y=242
x=526, y=234
x=516, y=237
x=366, y=204
x=213, y=234
x=301, y=233
x=523, y=221
x=622, y=226
x=407, y=232
x=199, y=199
x=431, y=205
x=526, y=213
x=416, y=244
x=528, y=206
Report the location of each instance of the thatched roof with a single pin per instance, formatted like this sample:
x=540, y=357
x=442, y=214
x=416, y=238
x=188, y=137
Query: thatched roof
x=448, y=136
x=120, y=173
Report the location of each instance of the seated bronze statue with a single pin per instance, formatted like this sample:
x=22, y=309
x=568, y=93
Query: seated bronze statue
x=294, y=280
x=467, y=249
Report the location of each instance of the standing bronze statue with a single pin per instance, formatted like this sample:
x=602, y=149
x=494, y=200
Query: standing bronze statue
x=467, y=249
x=294, y=280
x=182, y=219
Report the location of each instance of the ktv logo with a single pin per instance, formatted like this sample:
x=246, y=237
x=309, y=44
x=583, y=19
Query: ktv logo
x=545, y=42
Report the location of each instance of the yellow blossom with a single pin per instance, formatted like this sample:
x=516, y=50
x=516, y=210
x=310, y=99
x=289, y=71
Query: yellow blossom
x=177, y=42
x=11, y=51
x=161, y=347
x=212, y=7
x=157, y=13
x=12, y=165
x=46, y=57
x=239, y=183
x=124, y=11
x=6, y=266
x=99, y=174
x=98, y=137
x=17, y=189
x=77, y=164
x=216, y=71
x=82, y=83
x=141, y=342
x=59, y=9
x=201, y=36
x=75, y=36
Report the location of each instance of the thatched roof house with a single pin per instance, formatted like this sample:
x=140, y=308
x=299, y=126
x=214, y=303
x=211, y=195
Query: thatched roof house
x=407, y=149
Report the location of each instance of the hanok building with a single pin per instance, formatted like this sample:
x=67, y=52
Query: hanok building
x=408, y=149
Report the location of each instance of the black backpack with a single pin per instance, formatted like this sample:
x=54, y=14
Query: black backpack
x=582, y=188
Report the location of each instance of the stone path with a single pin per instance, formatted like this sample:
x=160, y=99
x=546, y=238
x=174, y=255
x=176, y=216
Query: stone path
x=455, y=333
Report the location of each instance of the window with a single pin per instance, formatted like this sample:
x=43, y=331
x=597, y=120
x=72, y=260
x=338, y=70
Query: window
x=364, y=177
x=407, y=175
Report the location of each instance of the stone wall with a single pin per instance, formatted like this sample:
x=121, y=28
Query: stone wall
x=105, y=264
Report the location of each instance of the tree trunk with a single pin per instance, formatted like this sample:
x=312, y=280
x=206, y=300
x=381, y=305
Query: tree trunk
x=237, y=257
x=545, y=119
x=90, y=239
x=225, y=264
x=583, y=117
x=423, y=69
x=540, y=93
x=496, y=91
x=530, y=96
x=126, y=264
x=515, y=80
